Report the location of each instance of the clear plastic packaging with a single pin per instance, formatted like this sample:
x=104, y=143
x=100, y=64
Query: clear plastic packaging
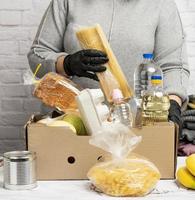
x=57, y=91
x=120, y=110
x=124, y=174
x=113, y=78
x=142, y=76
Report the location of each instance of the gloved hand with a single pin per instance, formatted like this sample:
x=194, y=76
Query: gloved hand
x=85, y=63
x=175, y=115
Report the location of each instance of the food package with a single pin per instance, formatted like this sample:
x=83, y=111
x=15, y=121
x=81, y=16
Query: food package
x=124, y=174
x=113, y=77
x=57, y=91
x=92, y=109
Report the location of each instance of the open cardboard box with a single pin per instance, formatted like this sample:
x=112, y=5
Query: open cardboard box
x=63, y=155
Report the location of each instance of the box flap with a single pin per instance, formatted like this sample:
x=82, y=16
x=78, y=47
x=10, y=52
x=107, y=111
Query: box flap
x=55, y=146
x=158, y=145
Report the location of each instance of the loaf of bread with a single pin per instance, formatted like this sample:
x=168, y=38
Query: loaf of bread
x=57, y=91
x=113, y=77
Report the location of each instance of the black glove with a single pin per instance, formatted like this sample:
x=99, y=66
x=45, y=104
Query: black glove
x=85, y=63
x=175, y=115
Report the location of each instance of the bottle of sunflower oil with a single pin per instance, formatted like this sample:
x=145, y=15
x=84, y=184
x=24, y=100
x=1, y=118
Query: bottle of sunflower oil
x=155, y=102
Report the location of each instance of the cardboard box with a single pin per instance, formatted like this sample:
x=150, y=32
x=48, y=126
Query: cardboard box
x=63, y=155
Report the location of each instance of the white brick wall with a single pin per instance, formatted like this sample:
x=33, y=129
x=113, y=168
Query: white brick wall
x=18, y=23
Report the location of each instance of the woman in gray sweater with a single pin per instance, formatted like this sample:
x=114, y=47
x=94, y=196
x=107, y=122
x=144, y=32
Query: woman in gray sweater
x=133, y=27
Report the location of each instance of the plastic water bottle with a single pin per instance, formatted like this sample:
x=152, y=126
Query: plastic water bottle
x=155, y=103
x=120, y=110
x=142, y=76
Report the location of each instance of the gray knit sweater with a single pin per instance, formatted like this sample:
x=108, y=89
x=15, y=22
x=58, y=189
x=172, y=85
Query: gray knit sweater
x=133, y=27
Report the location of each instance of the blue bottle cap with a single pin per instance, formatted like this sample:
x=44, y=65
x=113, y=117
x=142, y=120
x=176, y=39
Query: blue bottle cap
x=148, y=55
x=156, y=77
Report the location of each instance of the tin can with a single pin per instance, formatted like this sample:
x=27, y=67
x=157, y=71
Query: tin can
x=19, y=170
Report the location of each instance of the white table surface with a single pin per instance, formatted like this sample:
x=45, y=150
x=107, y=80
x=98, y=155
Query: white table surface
x=79, y=190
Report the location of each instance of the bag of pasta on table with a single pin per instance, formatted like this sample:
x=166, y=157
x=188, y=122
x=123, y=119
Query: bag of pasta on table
x=124, y=173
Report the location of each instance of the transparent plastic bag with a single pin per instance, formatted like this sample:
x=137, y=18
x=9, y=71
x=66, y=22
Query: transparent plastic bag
x=124, y=174
x=57, y=91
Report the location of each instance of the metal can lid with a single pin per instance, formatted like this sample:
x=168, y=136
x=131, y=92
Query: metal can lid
x=19, y=156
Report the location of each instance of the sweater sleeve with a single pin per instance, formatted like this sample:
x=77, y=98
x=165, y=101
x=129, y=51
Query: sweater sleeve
x=170, y=50
x=48, y=43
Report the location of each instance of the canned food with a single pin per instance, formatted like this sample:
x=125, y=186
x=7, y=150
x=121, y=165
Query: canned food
x=19, y=170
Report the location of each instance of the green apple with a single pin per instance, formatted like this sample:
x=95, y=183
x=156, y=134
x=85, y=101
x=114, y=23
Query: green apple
x=77, y=122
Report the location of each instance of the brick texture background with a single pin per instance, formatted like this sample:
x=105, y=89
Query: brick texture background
x=19, y=20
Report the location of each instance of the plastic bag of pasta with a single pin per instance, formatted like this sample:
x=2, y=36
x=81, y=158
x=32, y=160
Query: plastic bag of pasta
x=124, y=174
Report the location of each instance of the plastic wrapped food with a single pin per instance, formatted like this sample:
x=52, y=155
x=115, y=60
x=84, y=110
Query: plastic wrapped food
x=113, y=77
x=124, y=174
x=57, y=91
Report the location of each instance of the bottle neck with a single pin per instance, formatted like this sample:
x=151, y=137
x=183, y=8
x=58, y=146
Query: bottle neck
x=118, y=101
x=156, y=81
x=157, y=86
x=147, y=60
